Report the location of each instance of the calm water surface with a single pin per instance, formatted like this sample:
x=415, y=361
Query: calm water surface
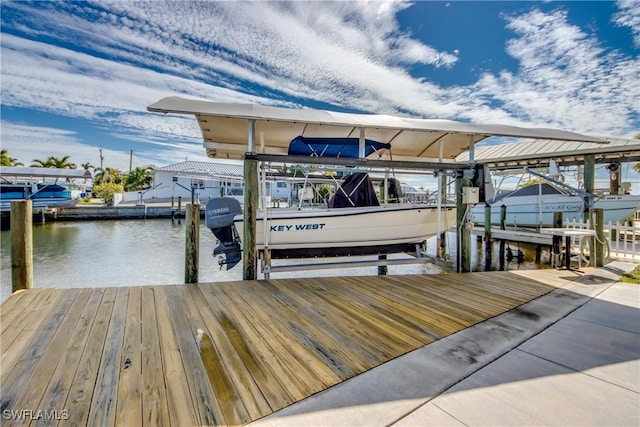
x=148, y=252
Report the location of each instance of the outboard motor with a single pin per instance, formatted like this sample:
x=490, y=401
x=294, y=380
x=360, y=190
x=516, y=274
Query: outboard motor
x=219, y=214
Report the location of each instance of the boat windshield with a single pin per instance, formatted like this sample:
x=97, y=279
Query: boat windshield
x=531, y=190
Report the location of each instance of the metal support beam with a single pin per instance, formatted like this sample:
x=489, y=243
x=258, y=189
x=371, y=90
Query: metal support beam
x=369, y=163
x=361, y=144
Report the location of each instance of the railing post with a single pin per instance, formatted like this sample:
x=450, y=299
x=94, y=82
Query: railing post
x=21, y=245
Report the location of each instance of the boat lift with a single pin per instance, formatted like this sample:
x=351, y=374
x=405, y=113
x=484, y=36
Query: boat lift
x=229, y=130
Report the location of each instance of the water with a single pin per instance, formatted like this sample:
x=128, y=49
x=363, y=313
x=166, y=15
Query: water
x=151, y=252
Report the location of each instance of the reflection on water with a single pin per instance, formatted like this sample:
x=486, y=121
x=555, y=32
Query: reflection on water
x=151, y=252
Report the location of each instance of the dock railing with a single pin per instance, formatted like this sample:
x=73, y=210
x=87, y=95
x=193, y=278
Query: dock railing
x=623, y=239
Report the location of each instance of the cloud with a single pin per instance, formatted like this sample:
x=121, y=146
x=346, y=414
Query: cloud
x=26, y=143
x=629, y=16
x=565, y=79
x=127, y=55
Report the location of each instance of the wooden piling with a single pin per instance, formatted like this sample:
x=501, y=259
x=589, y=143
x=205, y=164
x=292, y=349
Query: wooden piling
x=556, y=241
x=21, y=245
x=463, y=259
x=589, y=181
x=487, y=237
x=251, y=200
x=503, y=222
x=597, y=218
x=192, y=243
x=179, y=207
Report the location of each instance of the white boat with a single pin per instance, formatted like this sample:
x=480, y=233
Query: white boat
x=534, y=206
x=339, y=230
x=42, y=196
x=40, y=185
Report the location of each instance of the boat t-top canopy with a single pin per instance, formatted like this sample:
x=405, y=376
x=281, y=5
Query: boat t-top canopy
x=33, y=172
x=229, y=130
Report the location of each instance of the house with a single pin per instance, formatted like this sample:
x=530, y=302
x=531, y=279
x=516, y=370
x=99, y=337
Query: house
x=206, y=180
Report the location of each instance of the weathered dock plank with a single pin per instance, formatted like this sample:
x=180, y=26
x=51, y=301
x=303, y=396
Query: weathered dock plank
x=81, y=393
x=155, y=408
x=60, y=384
x=181, y=407
x=103, y=405
x=129, y=398
x=229, y=353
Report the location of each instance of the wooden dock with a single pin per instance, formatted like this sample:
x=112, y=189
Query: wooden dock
x=226, y=353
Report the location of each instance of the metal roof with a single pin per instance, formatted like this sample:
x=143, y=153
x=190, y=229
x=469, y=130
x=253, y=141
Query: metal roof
x=203, y=169
x=33, y=172
x=538, y=153
x=225, y=129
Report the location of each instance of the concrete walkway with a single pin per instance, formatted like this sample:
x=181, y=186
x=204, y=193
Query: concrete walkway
x=571, y=357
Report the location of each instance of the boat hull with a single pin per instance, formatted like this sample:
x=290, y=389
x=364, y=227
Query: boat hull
x=535, y=211
x=42, y=196
x=349, y=227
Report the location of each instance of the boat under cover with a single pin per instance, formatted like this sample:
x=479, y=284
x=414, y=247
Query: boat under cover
x=353, y=223
x=533, y=206
x=42, y=195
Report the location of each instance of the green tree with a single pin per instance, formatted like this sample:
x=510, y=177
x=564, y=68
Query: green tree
x=107, y=174
x=138, y=179
x=107, y=190
x=54, y=162
x=87, y=166
x=6, y=160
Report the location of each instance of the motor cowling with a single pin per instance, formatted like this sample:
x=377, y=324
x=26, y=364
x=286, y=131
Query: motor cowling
x=219, y=215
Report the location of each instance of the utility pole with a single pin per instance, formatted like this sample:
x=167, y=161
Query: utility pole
x=130, y=160
x=101, y=160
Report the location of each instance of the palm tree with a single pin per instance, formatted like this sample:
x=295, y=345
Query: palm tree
x=54, y=162
x=138, y=179
x=87, y=166
x=37, y=163
x=107, y=174
x=6, y=160
x=62, y=163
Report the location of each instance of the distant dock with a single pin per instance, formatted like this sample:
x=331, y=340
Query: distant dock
x=230, y=353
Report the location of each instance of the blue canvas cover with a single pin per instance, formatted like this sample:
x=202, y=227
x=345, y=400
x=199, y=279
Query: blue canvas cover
x=333, y=147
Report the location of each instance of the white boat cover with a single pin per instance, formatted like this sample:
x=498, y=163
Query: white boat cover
x=225, y=127
x=33, y=172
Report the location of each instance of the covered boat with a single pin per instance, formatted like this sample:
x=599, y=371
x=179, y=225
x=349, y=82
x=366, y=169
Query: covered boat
x=353, y=222
x=42, y=196
x=533, y=206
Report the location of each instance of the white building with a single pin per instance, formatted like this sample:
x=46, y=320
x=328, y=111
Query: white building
x=205, y=179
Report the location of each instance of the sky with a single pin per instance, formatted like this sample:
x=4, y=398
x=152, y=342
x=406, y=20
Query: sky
x=76, y=77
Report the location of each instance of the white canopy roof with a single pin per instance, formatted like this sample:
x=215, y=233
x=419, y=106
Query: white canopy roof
x=540, y=152
x=34, y=172
x=225, y=129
